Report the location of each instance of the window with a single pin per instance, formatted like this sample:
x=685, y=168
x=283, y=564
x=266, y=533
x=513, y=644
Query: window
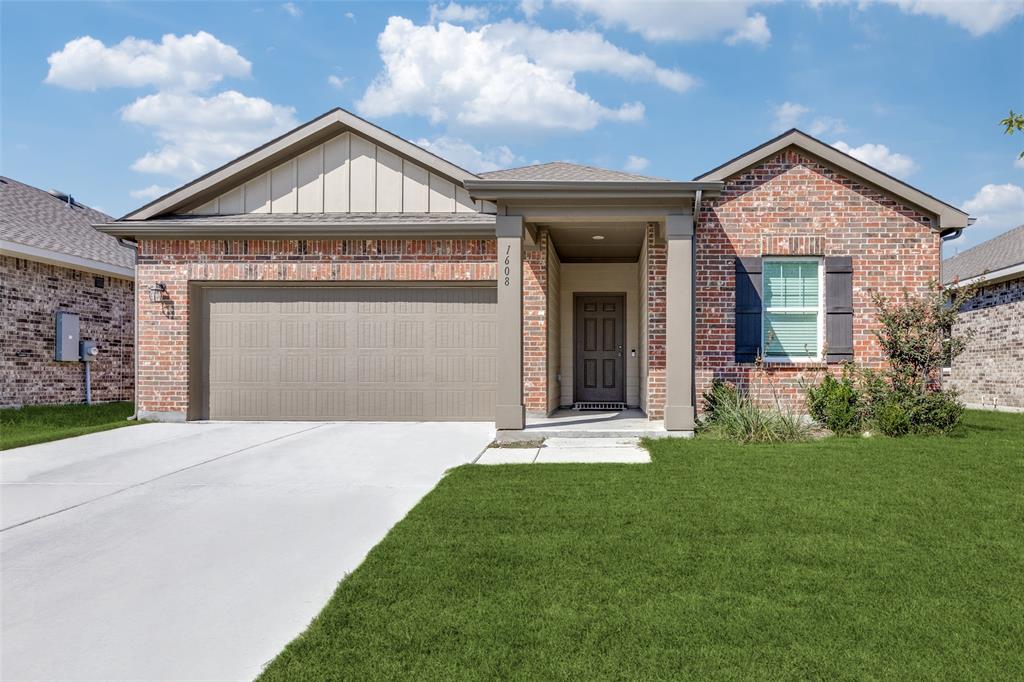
x=791, y=326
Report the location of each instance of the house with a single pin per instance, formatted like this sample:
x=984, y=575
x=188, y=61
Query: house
x=53, y=261
x=990, y=372
x=341, y=272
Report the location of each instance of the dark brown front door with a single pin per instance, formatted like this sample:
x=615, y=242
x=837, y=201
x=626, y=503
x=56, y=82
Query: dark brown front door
x=600, y=363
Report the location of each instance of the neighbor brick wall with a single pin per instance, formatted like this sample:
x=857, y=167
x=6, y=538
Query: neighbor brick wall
x=793, y=204
x=535, y=325
x=990, y=372
x=163, y=327
x=657, y=262
x=31, y=293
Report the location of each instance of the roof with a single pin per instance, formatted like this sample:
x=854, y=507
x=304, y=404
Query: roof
x=308, y=225
x=561, y=171
x=997, y=255
x=37, y=225
x=292, y=143
x=949, y=217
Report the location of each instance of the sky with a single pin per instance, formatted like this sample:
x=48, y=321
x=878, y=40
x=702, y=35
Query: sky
x=118, y=102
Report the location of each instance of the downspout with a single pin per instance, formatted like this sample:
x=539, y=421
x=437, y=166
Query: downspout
x=134, y=246
x=697, y=197
x=952, y=234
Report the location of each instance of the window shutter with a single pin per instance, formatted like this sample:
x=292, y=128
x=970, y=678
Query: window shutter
x=839, y=308
x=748, y=309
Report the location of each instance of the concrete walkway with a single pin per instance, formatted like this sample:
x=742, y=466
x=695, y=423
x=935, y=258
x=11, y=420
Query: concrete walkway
x=571, y=450
x=197, y=551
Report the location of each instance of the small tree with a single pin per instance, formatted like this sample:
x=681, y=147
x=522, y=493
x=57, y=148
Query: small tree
x=917, y=334
x=1014, y=123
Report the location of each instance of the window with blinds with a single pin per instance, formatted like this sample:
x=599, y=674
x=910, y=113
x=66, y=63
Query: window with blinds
x=791, y=323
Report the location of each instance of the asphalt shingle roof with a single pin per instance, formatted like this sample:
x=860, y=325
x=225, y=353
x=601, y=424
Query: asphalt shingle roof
x=33, y=217
x=997, y=253
x=560, y=171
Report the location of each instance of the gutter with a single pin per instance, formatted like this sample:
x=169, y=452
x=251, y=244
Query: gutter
x=491, y=190
x=198, y=230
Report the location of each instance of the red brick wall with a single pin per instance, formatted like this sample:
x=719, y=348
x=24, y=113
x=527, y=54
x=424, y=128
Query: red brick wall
x=163, y=327
x=657, y=262
x=793, y=204
x=535, y=325
x=31, y=294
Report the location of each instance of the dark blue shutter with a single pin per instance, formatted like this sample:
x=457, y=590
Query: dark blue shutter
x=839, y=308
x=748, y=309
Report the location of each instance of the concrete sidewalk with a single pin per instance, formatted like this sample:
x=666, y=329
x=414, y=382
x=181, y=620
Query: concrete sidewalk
x=571, y=451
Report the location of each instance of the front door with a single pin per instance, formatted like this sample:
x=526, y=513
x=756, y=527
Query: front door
x=600, y=364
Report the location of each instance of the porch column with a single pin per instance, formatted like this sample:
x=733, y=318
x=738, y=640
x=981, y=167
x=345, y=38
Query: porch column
x=509, y=412
x=679, y=408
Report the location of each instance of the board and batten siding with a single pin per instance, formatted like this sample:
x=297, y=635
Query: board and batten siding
x=346, y=174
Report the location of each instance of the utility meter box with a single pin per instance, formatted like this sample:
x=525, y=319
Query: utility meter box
x=89, y=351
x=66, y=346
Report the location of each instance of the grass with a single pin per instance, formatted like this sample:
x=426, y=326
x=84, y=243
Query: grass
x=844, y=558
x=43, y=423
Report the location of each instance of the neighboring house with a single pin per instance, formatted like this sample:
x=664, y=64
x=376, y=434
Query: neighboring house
x=341, y=272
x=990, y=372
x=52, y=260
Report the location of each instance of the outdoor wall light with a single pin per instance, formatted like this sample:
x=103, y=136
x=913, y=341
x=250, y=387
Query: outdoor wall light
x=598, y=237
x=157, y=291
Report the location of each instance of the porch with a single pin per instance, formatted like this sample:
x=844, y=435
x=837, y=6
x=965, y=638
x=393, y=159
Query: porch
x=572, y=423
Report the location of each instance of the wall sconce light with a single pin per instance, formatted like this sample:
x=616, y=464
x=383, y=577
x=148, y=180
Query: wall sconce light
x=157, y=291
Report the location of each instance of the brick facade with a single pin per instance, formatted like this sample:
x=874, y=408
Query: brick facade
x=656, y=293
x=988, y=374
x=792, y=204
x=163, y=327
x=31, y=294
x=535, y=325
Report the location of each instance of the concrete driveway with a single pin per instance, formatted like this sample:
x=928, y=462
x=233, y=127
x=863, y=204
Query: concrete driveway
x=197, y=551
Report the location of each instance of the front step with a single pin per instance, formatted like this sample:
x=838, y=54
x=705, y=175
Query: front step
x=537, y=433
x=562, y=450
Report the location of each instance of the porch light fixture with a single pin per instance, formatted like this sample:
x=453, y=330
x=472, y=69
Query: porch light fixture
x=157, y=291
x=598, y=237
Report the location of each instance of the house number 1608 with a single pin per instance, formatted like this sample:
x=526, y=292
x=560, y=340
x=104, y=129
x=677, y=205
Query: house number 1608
x=508, y=261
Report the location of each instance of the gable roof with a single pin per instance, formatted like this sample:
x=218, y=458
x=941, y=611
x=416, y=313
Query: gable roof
x=561, y=171
x=37, y=225
x=293, y=143
x=987, y=260
x=949, y=217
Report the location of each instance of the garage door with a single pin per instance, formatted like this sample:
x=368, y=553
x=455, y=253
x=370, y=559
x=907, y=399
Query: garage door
x=374, y=353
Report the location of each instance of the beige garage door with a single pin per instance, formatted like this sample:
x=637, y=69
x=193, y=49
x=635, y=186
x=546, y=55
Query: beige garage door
x=373, y=353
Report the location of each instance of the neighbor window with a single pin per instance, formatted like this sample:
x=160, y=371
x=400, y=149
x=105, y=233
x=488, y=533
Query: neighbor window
x=791, y=327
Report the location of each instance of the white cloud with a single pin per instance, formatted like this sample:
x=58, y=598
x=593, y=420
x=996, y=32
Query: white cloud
x=350, y=15
x=635, y=164
x=199, y=133
x=661, y=21
x=507, y=74
x=753, y=30
x=458, y=14
x=189, y=62
x=822, y=125
x=465, y=155
x=530, y=8
x=337, y=81
x=292, y=9
x=996, y=208
x=794, y=115
x=788, y=115
x=1019, y=162
x=977, y=17
x=151, y=192
x=879, y=156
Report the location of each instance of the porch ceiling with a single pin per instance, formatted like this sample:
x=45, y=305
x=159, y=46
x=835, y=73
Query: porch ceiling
x=576, y=241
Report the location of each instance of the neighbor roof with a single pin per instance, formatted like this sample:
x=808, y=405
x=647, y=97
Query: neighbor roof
x=949, y=217
x=35, y=224
x=561, y=171
x=987, y=259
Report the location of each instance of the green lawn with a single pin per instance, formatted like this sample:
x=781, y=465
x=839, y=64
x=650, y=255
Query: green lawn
x=840, y=559
x=42, y=423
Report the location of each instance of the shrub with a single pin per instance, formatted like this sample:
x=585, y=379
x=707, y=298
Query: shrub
x=835, y=404
x=936, y=412
x=730, y=413
x=891, y=418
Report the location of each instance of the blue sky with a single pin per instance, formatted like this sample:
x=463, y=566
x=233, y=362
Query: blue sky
x=117, y=101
